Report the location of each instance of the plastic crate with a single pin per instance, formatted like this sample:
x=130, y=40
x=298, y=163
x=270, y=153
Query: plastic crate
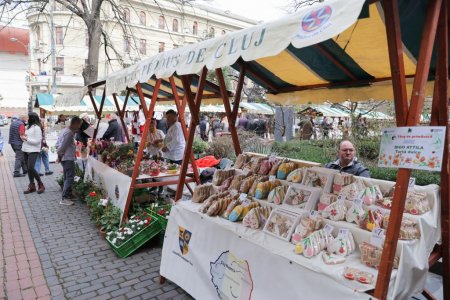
x=139, y=239
x=161, y=219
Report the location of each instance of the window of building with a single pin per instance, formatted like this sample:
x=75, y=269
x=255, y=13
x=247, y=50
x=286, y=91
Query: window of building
x=161, y=23
x=161, y=47
x=143, y=47
x=142, y=18
x=59, y=35
x=126, y=45
x=212, y=32
x=126, y=15
x=195, y=28
x=60, y=64
x=224, y=32
x=175, y=25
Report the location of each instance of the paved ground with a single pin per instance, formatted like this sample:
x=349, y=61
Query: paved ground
x=49, y=250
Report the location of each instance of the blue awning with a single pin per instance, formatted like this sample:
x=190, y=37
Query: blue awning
x=44, y=99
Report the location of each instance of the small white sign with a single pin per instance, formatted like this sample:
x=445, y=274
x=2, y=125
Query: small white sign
x=328, y=228
x=272, y=158
x=419, y=147
x=243, y=196
x=313, y=214
x=412, y=183
x=377, y=237
x=343, y=232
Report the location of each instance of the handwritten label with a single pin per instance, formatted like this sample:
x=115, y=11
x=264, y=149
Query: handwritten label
x=233, y=192
x=328, y=228
x=272, y=178
x=343, y=232
x=377, y=237
x=313, y=214
x=243, y=196
x=272, y=158
x=411, y=183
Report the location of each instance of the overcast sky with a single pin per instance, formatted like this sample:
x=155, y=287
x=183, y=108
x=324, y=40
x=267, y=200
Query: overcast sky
x=259, y=10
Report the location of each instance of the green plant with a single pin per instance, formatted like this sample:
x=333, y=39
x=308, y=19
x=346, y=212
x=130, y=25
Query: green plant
x=97, y=210
x=60, y=181
x=199, y=146
x=81, y=189
x=110, y=219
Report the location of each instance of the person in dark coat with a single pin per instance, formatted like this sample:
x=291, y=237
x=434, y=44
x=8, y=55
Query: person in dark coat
x=347, y=162
x=81, y=135
x=15, y=131
x=113, y=130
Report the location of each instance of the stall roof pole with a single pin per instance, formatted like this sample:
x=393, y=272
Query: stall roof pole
x=403, y=175
x=441, y=81
x=148, y=118
x=226, y=104
x=121, y=116
x=142, y=98
x=237, y=95
x=194, y=106
x=183, y=126
x=125, y=102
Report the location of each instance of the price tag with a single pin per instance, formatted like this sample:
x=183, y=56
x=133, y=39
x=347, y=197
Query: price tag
x=272, y=158
x=328, y=228
x=243, y=196
x=343, y=232
x=377, y=237
x=412, y=183
x=246, y=202
x=340, y=198
x=272, y=178
x=233, y=192
x=313, y=214
x=76, y=178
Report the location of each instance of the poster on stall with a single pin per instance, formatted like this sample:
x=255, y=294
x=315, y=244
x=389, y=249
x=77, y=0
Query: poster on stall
x=419, y=148
x=51, y=143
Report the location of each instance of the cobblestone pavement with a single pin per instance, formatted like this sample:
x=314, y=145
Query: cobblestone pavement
x=67, y=250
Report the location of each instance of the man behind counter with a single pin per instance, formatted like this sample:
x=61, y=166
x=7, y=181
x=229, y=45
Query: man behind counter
x=174, y=142
x=347, y=162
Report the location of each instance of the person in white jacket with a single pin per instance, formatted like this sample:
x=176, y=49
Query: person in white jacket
x=31, y=148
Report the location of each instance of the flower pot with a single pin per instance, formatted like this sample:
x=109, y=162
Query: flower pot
x=102, y=233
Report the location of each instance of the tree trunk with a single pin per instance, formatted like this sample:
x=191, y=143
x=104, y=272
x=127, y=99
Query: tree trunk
x=90, y=71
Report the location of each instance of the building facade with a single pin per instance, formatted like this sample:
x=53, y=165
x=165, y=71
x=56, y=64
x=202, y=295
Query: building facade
x=145, y=28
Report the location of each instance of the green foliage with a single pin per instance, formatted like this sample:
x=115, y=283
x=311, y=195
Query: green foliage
x=110, y=218
x=60, y=181
x=81, y=189
x=199, y=146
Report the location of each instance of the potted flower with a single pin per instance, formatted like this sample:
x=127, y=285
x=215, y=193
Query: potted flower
x=154, y=169
x=110, y=219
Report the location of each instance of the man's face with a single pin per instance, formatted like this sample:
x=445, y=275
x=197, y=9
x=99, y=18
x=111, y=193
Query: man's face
x=24, y=118
x=171, y=119
x=152, y=125
x=346, y=152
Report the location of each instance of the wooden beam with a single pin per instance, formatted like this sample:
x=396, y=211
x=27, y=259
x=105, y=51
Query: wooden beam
x=395, y=47
x=142, y=98
x=403, y=175
x=226, y=104
x=183, y=126
x=237, y=95
x=125, y=102
x=271, y=86
x=96, y=84
x=194, y=105
x=336, y=62
x=441, y=84
x=141, y=146
x=121, y=116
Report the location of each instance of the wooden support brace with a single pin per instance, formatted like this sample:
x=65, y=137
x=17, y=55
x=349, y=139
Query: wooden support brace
x=226, y=104
x=403, y=175
x=121, y=116
x=194, y=106
x=237, y=95
x=143, y=142
x=183, y=126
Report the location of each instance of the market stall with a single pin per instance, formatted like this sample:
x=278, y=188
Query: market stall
x=326, y=51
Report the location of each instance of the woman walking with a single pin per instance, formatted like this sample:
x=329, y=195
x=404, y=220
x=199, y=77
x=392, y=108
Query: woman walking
x=31, y=148
x=43, y=154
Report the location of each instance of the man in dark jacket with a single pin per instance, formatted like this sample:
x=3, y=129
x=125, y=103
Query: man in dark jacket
x=15, y=131
x=113, y=130
x=81, y=135
x=347, y=161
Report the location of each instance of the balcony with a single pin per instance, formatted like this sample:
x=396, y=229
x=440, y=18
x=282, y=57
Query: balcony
x=61, y=80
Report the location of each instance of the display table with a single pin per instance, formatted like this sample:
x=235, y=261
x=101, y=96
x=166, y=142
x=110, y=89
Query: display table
x=210, y=255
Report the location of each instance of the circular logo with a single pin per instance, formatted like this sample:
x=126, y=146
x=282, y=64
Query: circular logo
x=316, y=18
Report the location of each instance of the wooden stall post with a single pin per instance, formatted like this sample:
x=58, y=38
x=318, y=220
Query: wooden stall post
x=413, y=117
x=237, y=96
x=441, y=92
x=194, y=106
x=148, y=118
x=226, y=104
x=121, y=116
x=181, y=110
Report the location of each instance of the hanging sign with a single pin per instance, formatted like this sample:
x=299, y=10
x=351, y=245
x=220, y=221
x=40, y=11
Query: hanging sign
x=419, y=148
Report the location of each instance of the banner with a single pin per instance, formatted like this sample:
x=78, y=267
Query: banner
x=309, y=26
x=419, y=148
x=115, y=184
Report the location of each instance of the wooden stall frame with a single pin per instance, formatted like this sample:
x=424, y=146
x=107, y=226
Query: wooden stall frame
x=405, y=116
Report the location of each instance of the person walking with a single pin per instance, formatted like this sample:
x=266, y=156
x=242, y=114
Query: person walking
x=66, y=149
x=32, y=139
x=15, y=131
x=43, y=155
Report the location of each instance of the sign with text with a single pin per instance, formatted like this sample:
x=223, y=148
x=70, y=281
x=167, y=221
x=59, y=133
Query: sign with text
x=419, y=148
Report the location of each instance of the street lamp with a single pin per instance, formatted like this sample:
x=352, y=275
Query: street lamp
x=27, y=48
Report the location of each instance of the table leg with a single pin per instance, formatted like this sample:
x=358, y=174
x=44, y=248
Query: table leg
x=162, y=279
